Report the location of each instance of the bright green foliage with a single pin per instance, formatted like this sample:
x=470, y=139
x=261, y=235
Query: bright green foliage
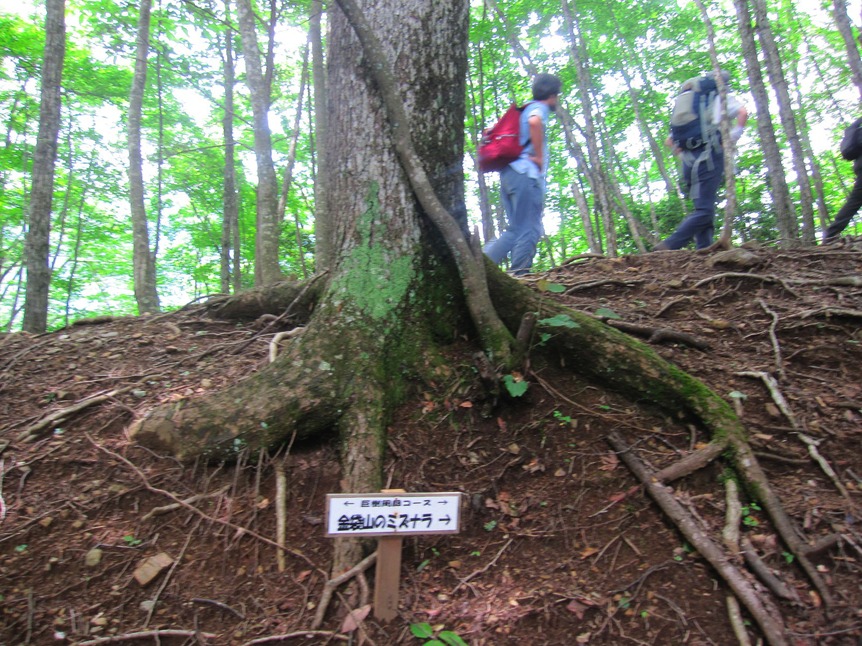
x=643, y=49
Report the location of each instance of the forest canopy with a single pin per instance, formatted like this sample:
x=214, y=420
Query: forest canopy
x=612, y=185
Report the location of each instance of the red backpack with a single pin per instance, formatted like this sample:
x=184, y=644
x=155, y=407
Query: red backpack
x=501, y=143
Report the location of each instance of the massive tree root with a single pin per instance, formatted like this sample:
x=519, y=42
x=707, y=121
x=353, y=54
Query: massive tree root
x=317, y=385
x=622, y=363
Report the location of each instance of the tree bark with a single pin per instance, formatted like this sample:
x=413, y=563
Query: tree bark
x=322, y=216
x=144, y=261
x=785, y=217
x=845, y=28
x=788, y=121
x=266, y=269
x=598, y=179
x=230, y=249
x=42, y=190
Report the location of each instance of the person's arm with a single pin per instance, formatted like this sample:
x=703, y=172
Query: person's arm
x=537, y=138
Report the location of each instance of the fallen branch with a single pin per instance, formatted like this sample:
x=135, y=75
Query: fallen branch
x=658, y=335
x=692, y=462
x=734, y=274
x=170, y=573
x=219, y=604
x=776, y=348
x=280, y=513
x=47, y=424
x=830, y=311
x=762, y=572
x=772, y=628
x=601, y=283
x=487, y=567
x=158, y=511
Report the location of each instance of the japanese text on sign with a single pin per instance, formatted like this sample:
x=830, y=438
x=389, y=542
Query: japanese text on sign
x=389, y=515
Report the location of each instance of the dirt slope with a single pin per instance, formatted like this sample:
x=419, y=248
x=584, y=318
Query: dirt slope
x=559, y=545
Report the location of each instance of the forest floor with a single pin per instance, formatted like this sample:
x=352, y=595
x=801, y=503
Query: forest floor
x=559, y=543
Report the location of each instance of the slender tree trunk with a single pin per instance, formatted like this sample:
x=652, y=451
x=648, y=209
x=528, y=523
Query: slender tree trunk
x=813, y=163
x=42, y=190
x=287, y=179
x=845, y=28
x=788, y=121
x=784, y=213
x=724, y=129
x=480, y=118
x=323, y=253
x=266, y=269
x=230, y=203
x=584, y=213
x=599, y=180
x=144, y=262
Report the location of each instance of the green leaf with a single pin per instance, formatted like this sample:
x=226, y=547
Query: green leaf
x=560, y=320
x=422, y=630
x=515, y=388
x=605, y=313
x=451, y=638
x=555, y=288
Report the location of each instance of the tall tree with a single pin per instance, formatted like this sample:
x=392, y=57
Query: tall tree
x=595, y=171
x=845, y=28
x=404, y=278
x=322, y=215
x=781, y=201
x=144, y=261
x=788, y=122
x=230, y=245
x=266, y=269
x=42, y=190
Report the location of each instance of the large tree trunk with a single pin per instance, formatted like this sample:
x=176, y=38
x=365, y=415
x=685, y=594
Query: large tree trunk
x=393, y=292
x=42, y=192
x=144, y=262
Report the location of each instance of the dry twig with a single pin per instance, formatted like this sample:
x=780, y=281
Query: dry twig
x=331, y=585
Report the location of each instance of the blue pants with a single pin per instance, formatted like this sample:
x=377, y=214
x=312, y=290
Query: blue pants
x=522, y=198
x=700, y=223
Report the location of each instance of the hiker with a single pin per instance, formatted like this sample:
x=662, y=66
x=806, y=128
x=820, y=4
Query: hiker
x=703, y=161
x=850, y=151
x=522, y=182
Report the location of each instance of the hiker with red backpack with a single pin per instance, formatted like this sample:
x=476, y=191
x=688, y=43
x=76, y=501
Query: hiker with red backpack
x=522, y=180
x=695, y=136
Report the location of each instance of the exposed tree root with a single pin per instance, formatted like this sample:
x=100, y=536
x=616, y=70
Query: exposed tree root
x=627, y=366
x=332, y=585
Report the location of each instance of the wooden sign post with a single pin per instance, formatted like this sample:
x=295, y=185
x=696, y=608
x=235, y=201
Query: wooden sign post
x=391, y=515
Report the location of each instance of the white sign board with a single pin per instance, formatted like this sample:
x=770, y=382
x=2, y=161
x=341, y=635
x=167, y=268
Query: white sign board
x=402, y=514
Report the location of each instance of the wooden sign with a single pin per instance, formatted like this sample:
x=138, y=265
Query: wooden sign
x=388, y=514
